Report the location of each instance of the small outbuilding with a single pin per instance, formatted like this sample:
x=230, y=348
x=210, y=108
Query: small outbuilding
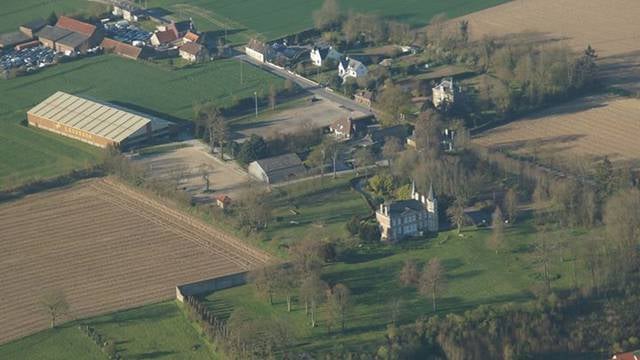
x=223, y=201
x=9, y=40
x=259, y=50
x=32, y=27
x=278, y=169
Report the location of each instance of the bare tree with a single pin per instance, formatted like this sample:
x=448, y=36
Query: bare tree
x=433, y=281
x=54, y=302
x=328, y=16
x=622, y=219
x=178, y=174
x=362, y=159
x=273, y=94
x=395, y=307
x=254, y=209
x=457, y=214
x=496, y=240
x=543, y=253
x=205, y=173
x=217, y=128
x=312, y=291
x=339, y=301
x=334, y=149
x=287, y=283
x=391, y=148
x=265, y=279
x=511, y=205
x=409, y=274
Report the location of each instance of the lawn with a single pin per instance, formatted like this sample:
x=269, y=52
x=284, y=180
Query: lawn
x=28, y=153
x=323, y=206
x=159, y=331
x=274, y=19
x=476, y=275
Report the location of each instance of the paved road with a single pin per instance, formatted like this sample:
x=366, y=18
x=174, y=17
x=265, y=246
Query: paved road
x=309, y=86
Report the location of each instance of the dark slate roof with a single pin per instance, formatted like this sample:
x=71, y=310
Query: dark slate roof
x=399, y=207
x=13, y=38
x=323, y=52
x=379, y=134
x=282, y=167
x=73, y=40
x=53, y=33
x=34, y=25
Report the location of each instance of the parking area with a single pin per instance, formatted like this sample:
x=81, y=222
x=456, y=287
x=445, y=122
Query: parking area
x=187, y=164
x=127, y=33
x=31, y=59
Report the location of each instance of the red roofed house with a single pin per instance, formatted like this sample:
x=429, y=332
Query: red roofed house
x=163, y=37
x=223, y=201
x=634, y=355
x=191, y=37
x=93, y=33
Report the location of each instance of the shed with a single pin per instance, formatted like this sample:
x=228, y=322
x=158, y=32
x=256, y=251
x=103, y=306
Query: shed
x=277, y=169
x=12, y=39
x=32, y=27
x=49, y=35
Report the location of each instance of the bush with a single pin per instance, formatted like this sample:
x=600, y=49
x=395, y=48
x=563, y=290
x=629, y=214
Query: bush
x=369, y=233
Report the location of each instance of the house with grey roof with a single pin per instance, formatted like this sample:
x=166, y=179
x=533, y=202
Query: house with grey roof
x=278, y=168
x=404, y=218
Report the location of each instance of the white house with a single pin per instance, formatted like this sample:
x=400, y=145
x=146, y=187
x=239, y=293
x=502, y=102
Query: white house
x=320, y=55
x=348, y=67
x=444, y=93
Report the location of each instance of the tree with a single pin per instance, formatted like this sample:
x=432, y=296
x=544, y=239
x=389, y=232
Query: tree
x=339, y=301
x=328, y=16
x=307, y=256
x=409, y=274
x=394, y=103
x=463, y=27
x=205, y=173
x=427, y=133
x=496, y=240
x=543, y=252
x=395, y=307
x=433, y=281
x=457, y=214
x=362, y=159
x=286, y=284
x=252, y=149
x=52, y=19
x=318, y=158
x=55, y=304
x=212, y=118
x=511, y=205
x=254, y=210
x=334, y=149
x=272, y=97
x=391, y=148
x=622, y=220
x=312, y=291
x=265, y=279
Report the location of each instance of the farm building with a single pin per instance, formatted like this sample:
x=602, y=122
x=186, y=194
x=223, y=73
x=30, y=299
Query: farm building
x=125, y=50
x=32, y=27
x=277, y=169
x=259, y=50
x=444, y=93
x=97, y=123
x=93, y=33
x=49, y=35
x=163, y=37
x=9, y=40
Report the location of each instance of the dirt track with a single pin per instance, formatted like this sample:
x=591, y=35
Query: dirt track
x=108, y=248
x=591, y=127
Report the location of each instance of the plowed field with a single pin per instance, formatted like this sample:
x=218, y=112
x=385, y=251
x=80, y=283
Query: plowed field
x=108, y=248
x=592, y=127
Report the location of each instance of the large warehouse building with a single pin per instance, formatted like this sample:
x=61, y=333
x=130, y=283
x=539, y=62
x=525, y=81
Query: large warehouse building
x=97, y=123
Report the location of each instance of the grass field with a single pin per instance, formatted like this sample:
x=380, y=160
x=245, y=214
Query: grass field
x=28, y=153
x=273, y=19
x=476, y=276
x=312, y=205
x=159, y=331
x=16, y=12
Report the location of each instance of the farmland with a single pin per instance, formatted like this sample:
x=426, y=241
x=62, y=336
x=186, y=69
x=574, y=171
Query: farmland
x=16, y=12
x=591, y=127
x=107, y=248
x=274, y=19
x=34, y=154
x=159, y=331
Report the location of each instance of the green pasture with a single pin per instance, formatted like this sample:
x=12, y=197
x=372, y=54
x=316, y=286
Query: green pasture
x=159, y=331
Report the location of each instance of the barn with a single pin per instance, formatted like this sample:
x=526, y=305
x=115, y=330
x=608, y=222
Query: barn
x=95, y=122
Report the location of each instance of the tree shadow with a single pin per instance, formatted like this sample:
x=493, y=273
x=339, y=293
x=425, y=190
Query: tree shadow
x=152, y=355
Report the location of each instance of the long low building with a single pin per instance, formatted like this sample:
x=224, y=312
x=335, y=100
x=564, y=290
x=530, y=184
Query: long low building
x=94, y=122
